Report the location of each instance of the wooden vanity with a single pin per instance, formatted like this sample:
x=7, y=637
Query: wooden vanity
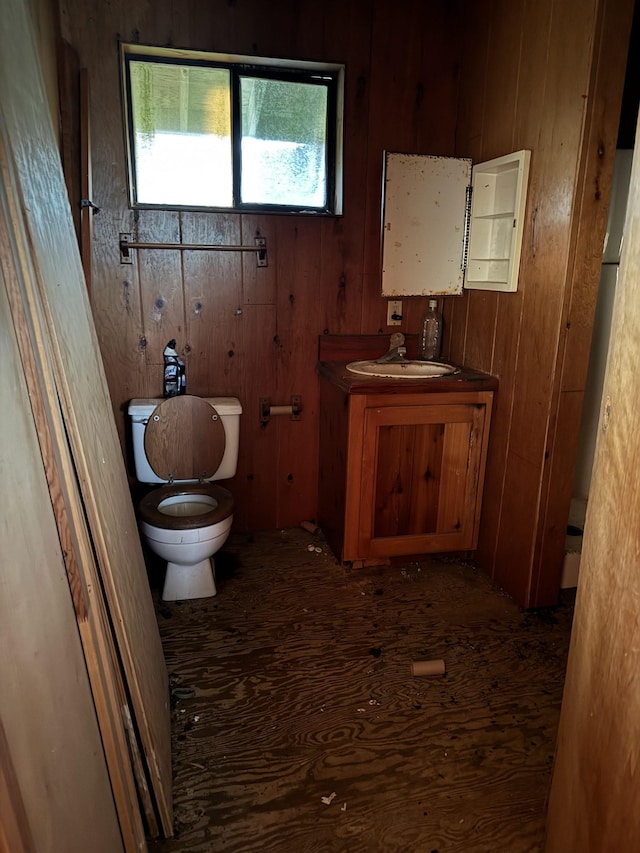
x=401, y=461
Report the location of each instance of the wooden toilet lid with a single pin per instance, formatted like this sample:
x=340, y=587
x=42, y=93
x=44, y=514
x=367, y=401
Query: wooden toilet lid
x=184, y=439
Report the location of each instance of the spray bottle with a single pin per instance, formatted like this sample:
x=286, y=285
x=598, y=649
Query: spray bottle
x=182, y=372
x=172, y=372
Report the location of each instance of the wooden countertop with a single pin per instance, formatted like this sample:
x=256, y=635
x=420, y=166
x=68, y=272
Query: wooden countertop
x=466, y=379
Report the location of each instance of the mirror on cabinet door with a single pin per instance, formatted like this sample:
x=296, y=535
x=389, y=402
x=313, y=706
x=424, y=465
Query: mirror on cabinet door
x=447, y=225
x=423, y=215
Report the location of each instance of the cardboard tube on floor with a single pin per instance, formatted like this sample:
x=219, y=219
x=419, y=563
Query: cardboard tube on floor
x=310, y=527
x=428, y=667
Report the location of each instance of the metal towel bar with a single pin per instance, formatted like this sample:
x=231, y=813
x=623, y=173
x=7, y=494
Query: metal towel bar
x=127, y=244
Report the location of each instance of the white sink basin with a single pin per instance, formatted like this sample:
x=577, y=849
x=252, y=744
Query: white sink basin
x=402, y=369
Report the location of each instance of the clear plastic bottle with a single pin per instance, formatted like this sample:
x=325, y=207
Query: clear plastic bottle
x=430, y=333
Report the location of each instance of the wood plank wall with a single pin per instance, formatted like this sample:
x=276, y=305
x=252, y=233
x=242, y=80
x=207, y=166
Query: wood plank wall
x=540, y=75
x=593, y=801
x=546, y=76
x=245, y=331
x=49, y=736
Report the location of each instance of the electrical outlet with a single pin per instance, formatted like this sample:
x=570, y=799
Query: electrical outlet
x=394, y=312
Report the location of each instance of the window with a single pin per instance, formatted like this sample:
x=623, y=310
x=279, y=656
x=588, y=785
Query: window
x=232, y=132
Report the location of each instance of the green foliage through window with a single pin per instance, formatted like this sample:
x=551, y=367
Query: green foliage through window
x=232, y=135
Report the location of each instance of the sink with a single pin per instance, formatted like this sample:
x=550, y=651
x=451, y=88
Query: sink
x=402, y=369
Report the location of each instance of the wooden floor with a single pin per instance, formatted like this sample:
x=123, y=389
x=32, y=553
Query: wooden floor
x=307, y=731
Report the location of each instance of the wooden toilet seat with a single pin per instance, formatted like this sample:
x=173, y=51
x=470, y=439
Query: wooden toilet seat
x=184, y=439
x=150, y=513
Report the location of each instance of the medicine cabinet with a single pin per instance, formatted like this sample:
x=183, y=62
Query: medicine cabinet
x=447, y=224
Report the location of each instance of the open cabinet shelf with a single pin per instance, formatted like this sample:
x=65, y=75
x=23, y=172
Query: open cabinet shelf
x=498, y=202
x=447, y=225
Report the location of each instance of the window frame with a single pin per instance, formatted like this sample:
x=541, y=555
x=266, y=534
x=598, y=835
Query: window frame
x=245, y=66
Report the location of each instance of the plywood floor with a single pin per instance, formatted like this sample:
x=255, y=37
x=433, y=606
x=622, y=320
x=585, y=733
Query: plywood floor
x=301, y=672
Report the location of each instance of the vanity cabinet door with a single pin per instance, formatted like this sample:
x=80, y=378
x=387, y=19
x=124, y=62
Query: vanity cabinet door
x=421, y=477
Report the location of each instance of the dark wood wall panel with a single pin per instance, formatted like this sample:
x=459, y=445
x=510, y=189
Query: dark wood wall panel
x=535, y=87
x=590, y=211
x=299, y=271
x=212, y=287
x=161, y=291
x=475, y=79
x=258, y=461
x=594, y=809
x=413, y=89
x=242, y=330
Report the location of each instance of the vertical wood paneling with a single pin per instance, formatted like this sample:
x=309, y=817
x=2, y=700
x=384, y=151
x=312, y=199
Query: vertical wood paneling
x=58, y=292
x=34, y=200
x=473, y=71
x=532, y=82
x=393, y=480
x=259, y=284
x=523, y=73
x=115, y=297
x=298, y=285
x=400, y=73
x=69, y=100
x=405, y=115
x=425, y=486
x=50, y=739
x=501, y=84
x=343, y=239
x=556, y=198
x=161, y=286
x=455, y=460
x=212, y=283
x=594, y=810
x=334, y=406
x=474, y=28
x=86, y=589
x=481, y=333
x=591, y=206
x=538, y=74
x=253, y=485
x=556, y=496
x=342, y=274
x=552, y=192
x=117, y=308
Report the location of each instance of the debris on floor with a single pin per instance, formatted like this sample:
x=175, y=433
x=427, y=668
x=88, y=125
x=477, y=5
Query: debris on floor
x=313, y=650
x=428, y=667
x=183, y=693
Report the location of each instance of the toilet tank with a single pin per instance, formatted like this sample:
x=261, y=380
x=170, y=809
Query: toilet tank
x=228, y=408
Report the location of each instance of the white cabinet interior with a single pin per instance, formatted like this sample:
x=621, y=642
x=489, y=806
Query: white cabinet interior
x=441, y=232
x=498, y=203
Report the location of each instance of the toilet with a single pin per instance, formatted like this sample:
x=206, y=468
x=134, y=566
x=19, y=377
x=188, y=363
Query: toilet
x=186, y=443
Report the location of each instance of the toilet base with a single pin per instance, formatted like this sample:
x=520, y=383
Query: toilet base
x=184, y=582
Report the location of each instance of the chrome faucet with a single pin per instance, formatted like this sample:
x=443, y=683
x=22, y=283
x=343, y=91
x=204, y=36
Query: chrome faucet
x=397, y=350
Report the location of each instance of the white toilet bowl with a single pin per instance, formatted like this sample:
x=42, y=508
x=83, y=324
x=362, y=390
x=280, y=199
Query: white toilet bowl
x=187, y=443
x=186, y=525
